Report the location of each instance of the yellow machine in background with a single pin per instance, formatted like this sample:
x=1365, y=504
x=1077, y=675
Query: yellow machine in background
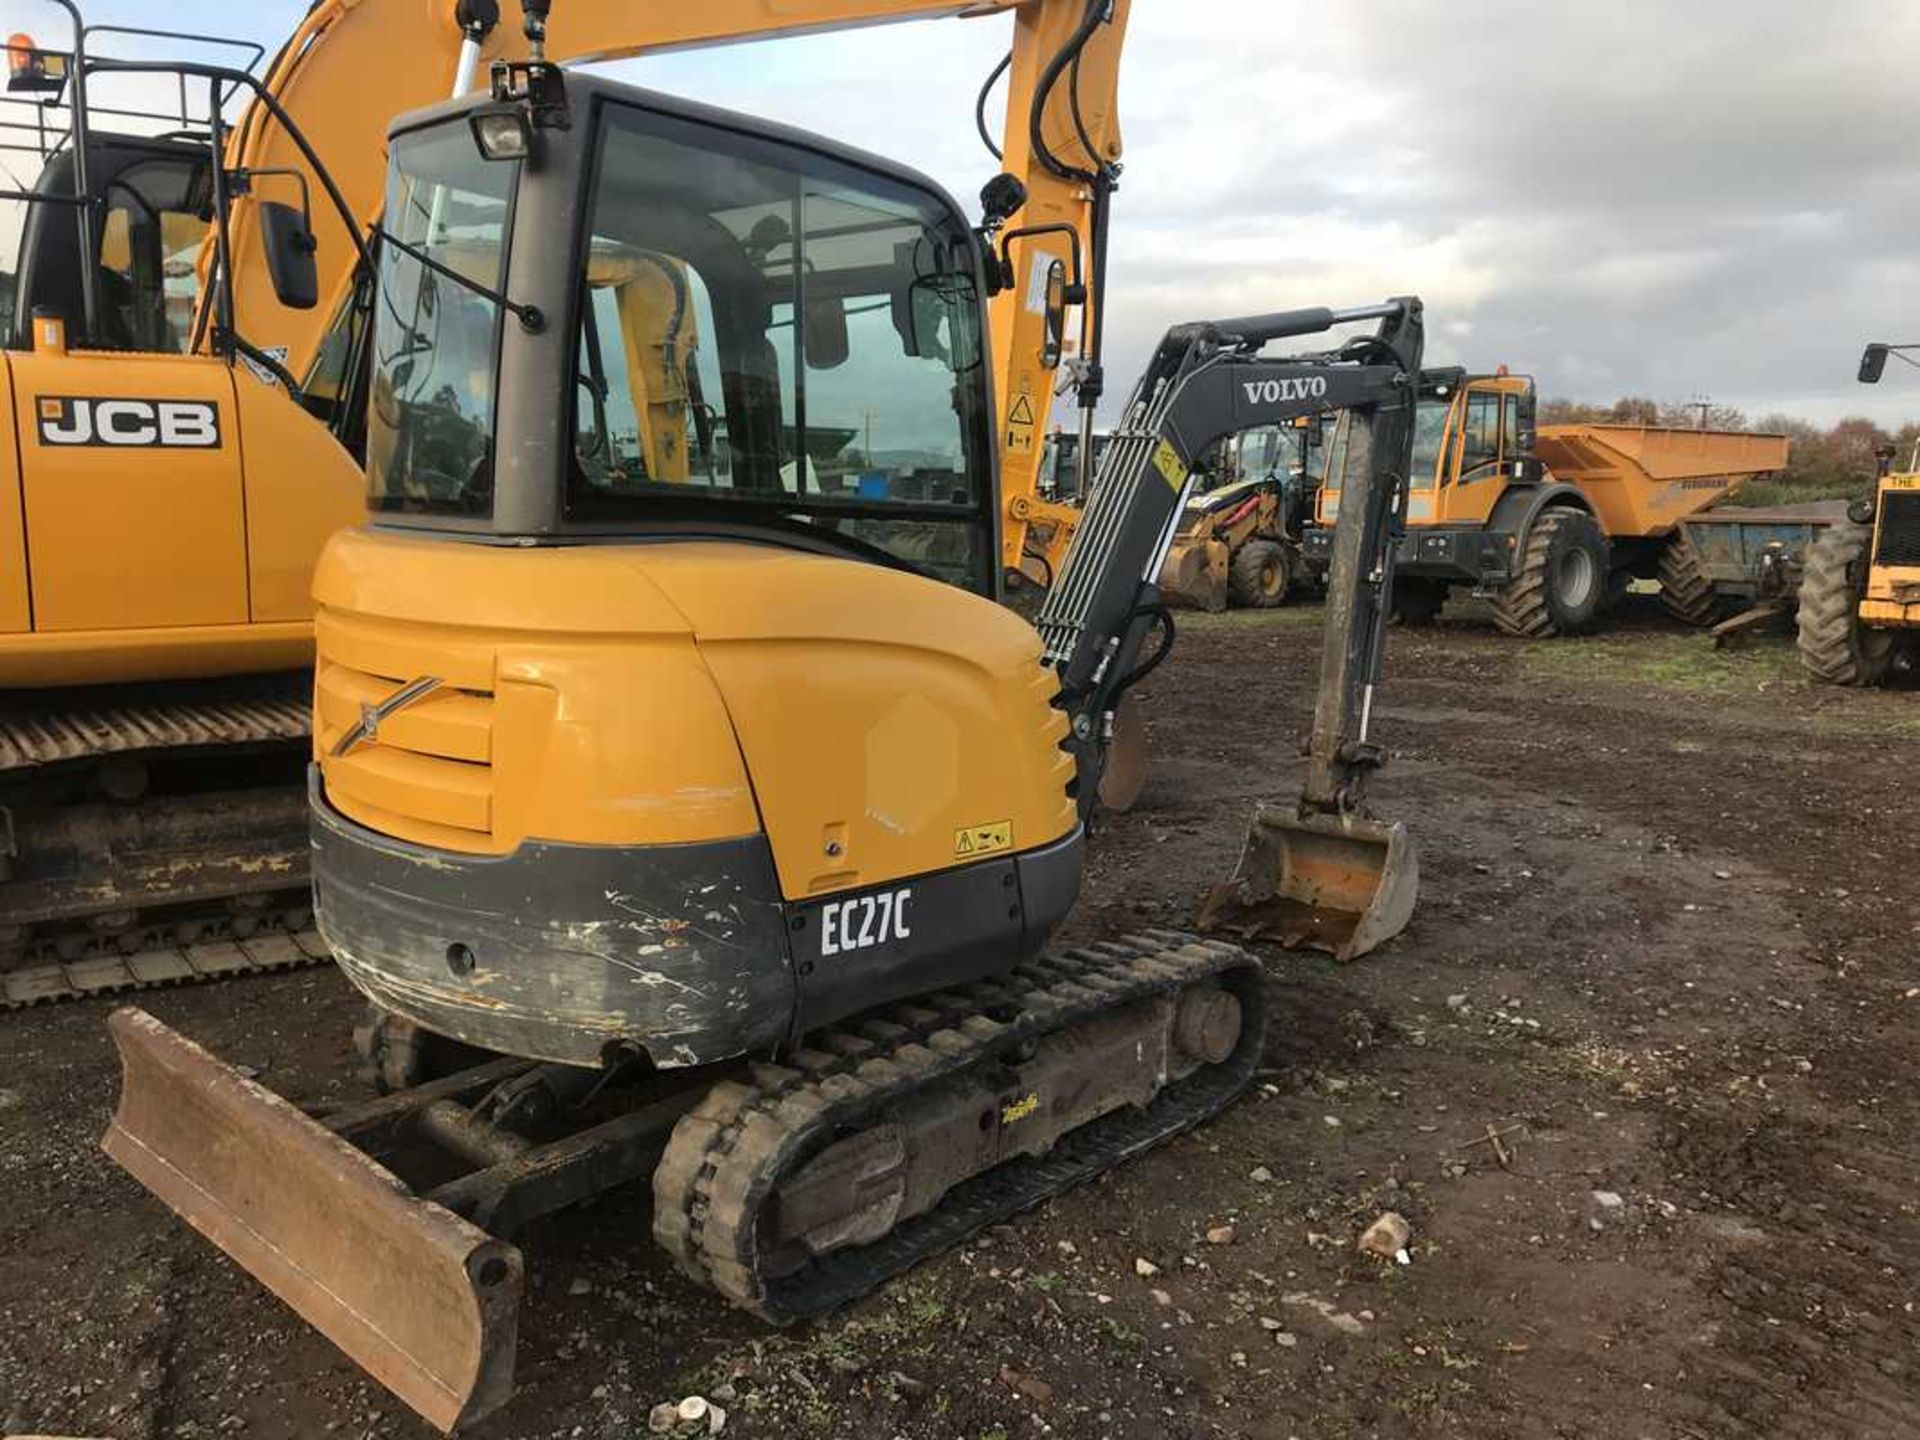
x=1860, y=588
x=152, y=341
x=1239, y=538
x=1548, y=522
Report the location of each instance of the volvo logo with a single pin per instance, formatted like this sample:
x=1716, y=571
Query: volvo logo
x=1272, y=392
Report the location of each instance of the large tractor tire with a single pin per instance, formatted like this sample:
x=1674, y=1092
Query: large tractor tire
x=1418, y=600
x=1561, y=587
x=1834, y=645
x=1685, y=587
x=1258, y=575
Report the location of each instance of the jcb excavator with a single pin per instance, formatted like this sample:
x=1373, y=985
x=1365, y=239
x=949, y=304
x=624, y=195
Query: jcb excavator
x=691, y=775
x=188, y=365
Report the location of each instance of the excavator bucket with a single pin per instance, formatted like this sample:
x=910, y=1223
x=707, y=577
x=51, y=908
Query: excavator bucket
x=1320, y=882
x=426, y=1302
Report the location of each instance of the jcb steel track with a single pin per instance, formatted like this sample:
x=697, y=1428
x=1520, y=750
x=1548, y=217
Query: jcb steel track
x=156, y=841
x=728, y=1158
x=270, y=946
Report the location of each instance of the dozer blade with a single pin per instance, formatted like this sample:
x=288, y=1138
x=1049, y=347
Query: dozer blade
x=426, y=1302
x=1324, y=882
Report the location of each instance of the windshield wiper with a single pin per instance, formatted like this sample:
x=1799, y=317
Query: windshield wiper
x=532, y=319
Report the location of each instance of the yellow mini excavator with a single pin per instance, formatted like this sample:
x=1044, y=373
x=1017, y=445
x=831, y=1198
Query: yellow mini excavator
x=675, y=770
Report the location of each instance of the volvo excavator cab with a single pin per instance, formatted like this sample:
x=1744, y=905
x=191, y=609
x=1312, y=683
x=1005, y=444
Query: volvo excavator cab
x=758, y=530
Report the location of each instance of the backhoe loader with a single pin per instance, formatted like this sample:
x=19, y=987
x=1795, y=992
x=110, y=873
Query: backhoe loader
x=1239, y=540
x=717, y=804
x=188, y=367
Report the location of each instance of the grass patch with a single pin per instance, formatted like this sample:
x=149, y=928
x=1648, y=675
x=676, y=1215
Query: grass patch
x=1292, y=615
x=1686, y=663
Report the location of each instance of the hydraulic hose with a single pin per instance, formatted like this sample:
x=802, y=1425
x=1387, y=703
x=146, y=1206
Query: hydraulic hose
x=980, y=104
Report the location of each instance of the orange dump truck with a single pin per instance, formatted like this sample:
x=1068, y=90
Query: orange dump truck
x=1550, y=522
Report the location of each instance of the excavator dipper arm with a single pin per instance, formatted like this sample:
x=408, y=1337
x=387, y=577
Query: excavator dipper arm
x=1319, y=873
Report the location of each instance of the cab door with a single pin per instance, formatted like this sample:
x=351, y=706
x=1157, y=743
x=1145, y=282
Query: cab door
x=15, y=613
x=131, y=489
x=1475, y=480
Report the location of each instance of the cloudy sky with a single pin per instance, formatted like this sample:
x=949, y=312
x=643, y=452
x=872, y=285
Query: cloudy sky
x=1719, y=198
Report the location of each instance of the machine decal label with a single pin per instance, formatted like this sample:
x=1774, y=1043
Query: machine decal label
x=126, y=422
x=1020, y=424
x=974, y=840
x=1272, y=392
x=1015, y=1111
x=1169, y=466
x=864, y=921
x=1903, y=482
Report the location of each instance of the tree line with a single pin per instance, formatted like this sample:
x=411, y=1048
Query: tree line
x=1821, y=462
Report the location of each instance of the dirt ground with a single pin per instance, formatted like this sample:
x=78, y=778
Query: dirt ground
x=1668, y=948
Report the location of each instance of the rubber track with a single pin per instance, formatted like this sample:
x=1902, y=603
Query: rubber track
x=114, y=974
x=1828, y=644
x=60, y=736
x=730, y=1153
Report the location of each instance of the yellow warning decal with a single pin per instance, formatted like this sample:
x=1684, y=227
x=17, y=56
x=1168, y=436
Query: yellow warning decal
x=1903, y=482
x=1169, y=466
x=973, y=840
x=1020, y=426
x=1016, y=1110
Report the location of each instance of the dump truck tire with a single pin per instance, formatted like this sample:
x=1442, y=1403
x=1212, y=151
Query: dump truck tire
x=1418, y=601
x=1561, y=588
x=1258, y=574
x=1834, y=646
x=1685, y=587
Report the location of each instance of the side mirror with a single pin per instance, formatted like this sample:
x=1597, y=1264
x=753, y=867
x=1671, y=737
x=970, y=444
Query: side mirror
x=1872, y=363
x=938, y=323
x=287, y=238
x=824, y=332
x=1054, y=343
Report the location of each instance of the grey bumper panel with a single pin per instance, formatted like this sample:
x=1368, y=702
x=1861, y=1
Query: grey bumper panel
x=557, y=952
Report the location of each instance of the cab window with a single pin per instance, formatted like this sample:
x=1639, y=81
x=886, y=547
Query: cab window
x=1429, y=435
x=768, y=337
x=149, y=243
x=1480, y=442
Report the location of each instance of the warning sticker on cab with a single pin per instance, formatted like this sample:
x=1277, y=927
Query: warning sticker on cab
x=974, y=840
x=1169, y=466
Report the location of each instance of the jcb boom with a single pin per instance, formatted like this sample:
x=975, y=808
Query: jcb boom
x=695, y=774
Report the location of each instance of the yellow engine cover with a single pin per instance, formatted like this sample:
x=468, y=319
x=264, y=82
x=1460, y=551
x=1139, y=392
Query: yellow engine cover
x=873, y=723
